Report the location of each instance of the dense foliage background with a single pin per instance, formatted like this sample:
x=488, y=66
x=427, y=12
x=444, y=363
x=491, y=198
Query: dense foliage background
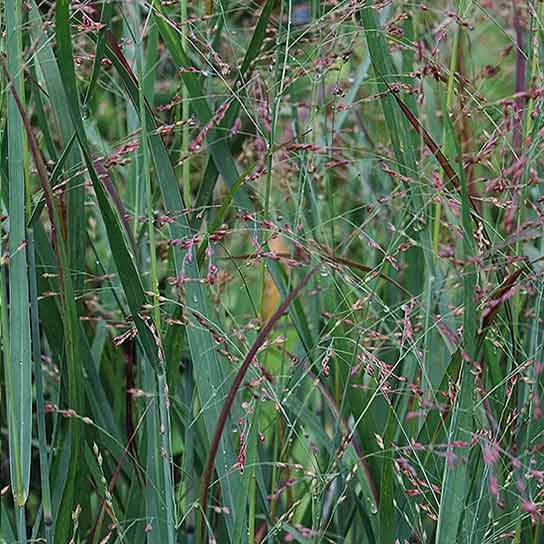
x=271, y=271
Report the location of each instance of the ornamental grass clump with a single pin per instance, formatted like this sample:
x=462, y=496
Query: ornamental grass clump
x=271, y=271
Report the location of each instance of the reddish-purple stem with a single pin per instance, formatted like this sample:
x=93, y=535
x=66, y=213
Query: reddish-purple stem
x=115, y=477
x=263, y=334
x=40, y=166
x=520, y=74
x=520, y=101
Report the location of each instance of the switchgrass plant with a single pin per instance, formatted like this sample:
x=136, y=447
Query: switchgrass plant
x=271, y=271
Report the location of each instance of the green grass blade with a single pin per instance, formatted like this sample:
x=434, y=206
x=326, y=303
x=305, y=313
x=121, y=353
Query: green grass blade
x=455, y=478
x=209, y=377
x=19, y=361
x=40, y=405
